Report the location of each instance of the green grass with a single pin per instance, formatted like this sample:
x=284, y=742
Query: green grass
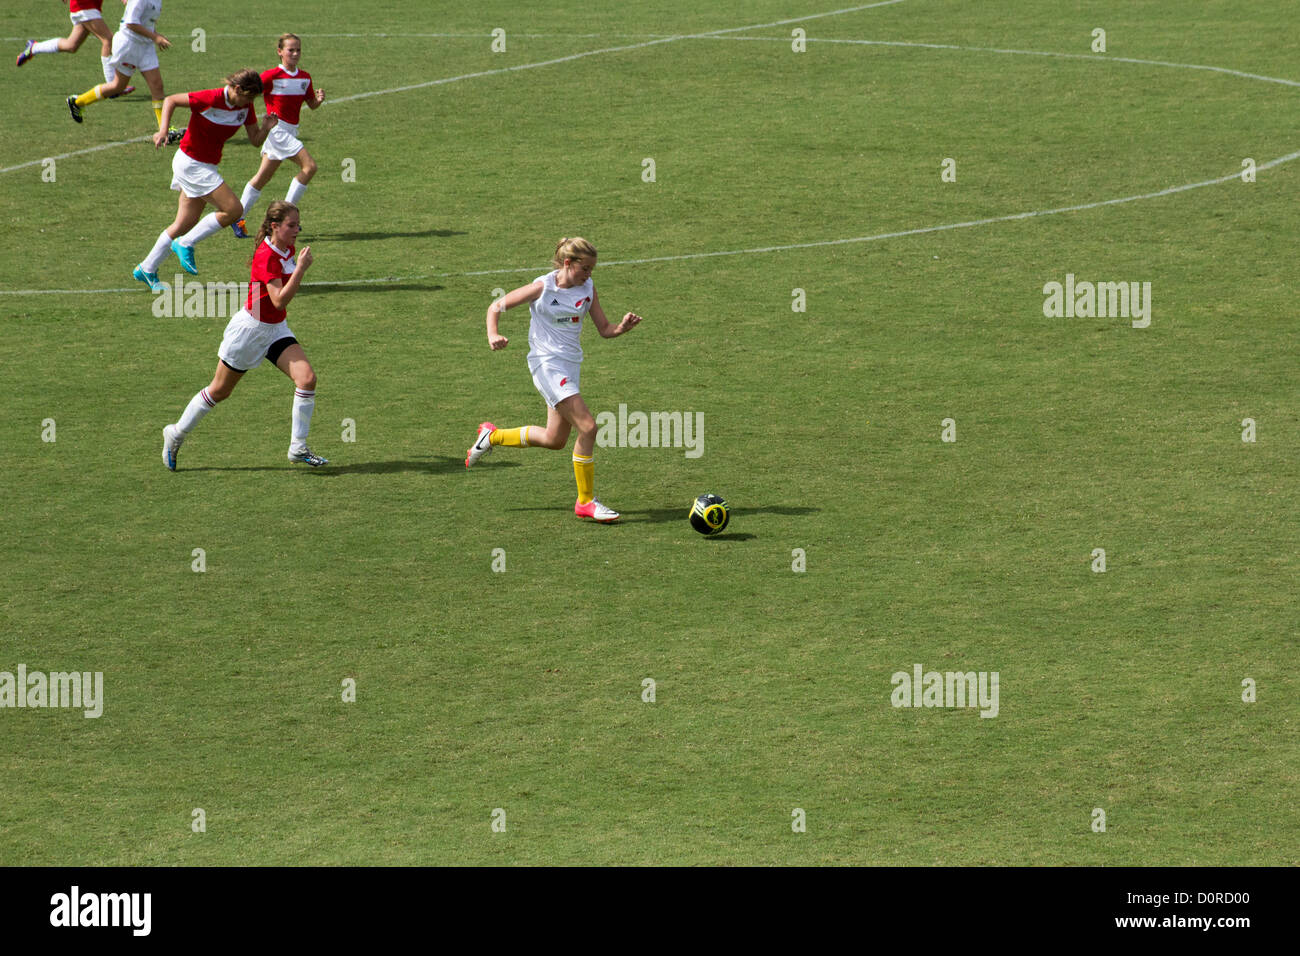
x=522, y=690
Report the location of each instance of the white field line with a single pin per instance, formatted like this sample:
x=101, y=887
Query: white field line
x=507, y=69
x=713, y=35
x=1012, y=217
x=802, y=245
x=612, y=49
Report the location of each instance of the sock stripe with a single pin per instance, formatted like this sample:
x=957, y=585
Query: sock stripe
x=582, y=460
x=208, y=398
x=302, y=393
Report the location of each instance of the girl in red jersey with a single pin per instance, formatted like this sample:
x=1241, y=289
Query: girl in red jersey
x=285, y=90
x=87, y=18
x=215, y=115
x=258, y=331
x=558, y=302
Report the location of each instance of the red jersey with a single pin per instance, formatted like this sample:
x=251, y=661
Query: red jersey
x=284, y=92
x=77, y=6
x=268, y=263
x=212, y=122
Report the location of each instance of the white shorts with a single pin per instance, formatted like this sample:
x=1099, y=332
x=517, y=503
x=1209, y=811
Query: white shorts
x=247, y=340
x=282, y=142
x=129, y=56
x=193, y=178
x=81, y=16
x=555, y=379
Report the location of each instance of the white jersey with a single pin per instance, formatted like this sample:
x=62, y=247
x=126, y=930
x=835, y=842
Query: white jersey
x=557, y=320
x=145, y=13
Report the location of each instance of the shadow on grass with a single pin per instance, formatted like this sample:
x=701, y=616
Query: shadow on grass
x=665, y=515
x=307, y=239
x=332, y=287
x=445, y=465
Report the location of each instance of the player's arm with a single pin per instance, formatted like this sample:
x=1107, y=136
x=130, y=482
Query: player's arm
x=169, y=107
x=606, y=328
x=314, y=98
x=281, y=291
x=525, y=293
x=141, y=30
x=257, y=132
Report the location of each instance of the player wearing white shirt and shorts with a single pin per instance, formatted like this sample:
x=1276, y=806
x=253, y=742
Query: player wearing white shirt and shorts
x=135, y=47
x=558, y=303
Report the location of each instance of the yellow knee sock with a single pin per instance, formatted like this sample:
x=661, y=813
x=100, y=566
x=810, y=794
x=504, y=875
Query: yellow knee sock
x=157, y=111
x=584, y=469
x=510, y=437
x=88, y=97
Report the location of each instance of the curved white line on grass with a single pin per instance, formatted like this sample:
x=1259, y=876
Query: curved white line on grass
x=510, y=69
x=612, y=49
x=1012, y=217
x=992, y=49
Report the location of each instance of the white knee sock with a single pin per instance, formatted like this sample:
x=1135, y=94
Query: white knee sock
x=304, y=403
x=199, y=406
x=249, y=198
x=296, y=190
x=206, y=227
x=161, y=249
x=46, y=46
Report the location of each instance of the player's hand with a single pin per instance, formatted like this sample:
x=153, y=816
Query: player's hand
x=320, y=96
x=163, y=42
x=497, y=342
x=630, y=321
x=159, y=138
x=305, y=257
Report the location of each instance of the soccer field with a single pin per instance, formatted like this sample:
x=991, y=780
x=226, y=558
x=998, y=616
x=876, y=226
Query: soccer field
x=982, y=318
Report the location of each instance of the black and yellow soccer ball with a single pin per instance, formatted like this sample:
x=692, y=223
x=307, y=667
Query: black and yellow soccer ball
x=709, y=514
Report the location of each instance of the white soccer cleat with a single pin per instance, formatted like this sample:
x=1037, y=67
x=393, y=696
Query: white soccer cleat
x=482, y=444
x=596, y=512
x=305, y=456
x=172, y=439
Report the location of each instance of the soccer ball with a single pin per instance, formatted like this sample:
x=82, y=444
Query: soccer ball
x=709, y=514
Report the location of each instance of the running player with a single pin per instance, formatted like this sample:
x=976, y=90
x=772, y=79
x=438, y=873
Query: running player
x=215, y=115
x=558, y=301
x=135, y=47
x=87, y=18
x=284, y=90
x=259, y=331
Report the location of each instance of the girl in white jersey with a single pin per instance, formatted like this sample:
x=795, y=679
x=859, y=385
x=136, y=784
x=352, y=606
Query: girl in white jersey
x=558, y=301
x=135, y=47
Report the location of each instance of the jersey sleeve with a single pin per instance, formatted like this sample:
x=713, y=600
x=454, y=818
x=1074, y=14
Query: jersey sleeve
x=251, y=119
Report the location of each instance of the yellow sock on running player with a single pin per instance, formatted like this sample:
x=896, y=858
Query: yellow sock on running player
x=157, y=111
x=584, y=469
x=510, y=437
x=90, y=96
